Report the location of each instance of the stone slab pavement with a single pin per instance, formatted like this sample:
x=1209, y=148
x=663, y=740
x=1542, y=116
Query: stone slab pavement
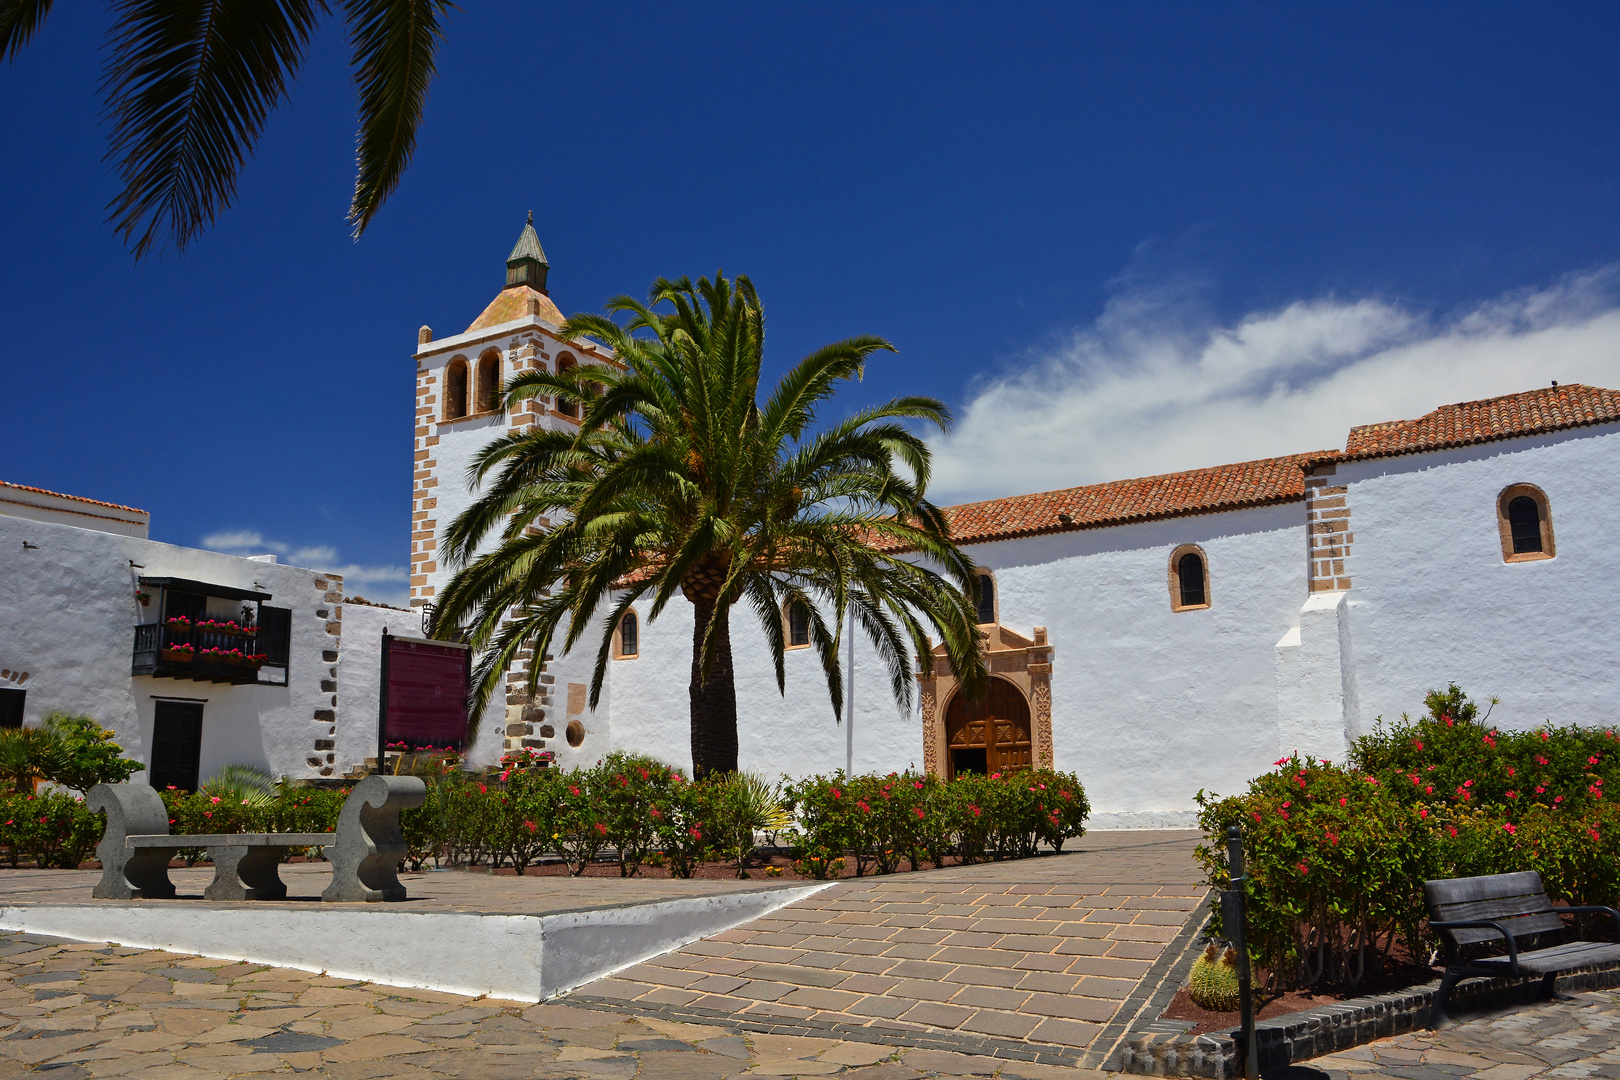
x=435, y=891
x=1044, y=950
x=1573, y=1039
x=76, y=1011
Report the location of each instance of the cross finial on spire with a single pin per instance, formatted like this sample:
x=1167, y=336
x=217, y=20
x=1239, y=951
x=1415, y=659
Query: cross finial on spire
x=531, y=217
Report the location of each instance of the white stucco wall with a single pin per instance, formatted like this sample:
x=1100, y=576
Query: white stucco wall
x=647, y=700
x=67, y=619
x=1149, y=705
x=1433, y=601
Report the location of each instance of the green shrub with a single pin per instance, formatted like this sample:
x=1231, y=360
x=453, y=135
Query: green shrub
x=877, y=821
x=1337, y=853
x=53, y=830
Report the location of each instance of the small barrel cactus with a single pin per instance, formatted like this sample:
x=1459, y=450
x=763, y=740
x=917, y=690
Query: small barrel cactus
x=1214, y=981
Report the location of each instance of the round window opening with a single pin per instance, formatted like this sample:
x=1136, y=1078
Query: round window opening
x=575, y=733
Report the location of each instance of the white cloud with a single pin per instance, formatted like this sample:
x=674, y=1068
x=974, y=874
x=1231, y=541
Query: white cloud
x=1152, y=387
x=385, y=584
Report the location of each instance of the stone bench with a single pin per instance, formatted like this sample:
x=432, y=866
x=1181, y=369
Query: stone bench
x=245, y=864
x=365, y=852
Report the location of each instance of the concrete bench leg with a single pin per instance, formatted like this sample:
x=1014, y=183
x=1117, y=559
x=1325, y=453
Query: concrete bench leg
x=246, y=873
x=369, y=847
x=142, y=873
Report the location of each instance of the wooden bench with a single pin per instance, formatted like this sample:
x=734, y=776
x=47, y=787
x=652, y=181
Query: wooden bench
x=365, y=852
x=1474, y=914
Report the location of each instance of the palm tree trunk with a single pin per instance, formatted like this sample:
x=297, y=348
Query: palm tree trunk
x=714, y=700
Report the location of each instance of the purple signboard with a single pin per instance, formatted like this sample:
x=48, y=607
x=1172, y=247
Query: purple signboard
x=424, y=693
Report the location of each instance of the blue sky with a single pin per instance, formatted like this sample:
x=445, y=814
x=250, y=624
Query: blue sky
x=1118, y=239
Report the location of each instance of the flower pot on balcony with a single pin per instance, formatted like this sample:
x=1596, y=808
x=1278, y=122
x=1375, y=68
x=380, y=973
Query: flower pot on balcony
x=177, y=656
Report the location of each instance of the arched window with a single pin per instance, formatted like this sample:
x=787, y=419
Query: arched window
x=1525, y=524
x=455, y=389
x=489, y=381
x=565, y=364
x=798, y=625
x=987, y=598
x=629, y=636
x=1189, y=579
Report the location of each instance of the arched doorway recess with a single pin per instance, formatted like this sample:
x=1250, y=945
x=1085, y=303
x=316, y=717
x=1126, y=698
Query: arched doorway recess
x=1025, y=664
x=990, y=734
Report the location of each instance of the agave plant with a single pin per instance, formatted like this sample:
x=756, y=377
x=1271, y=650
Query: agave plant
x=748, y=804
x=247, y=785
x=26, y=754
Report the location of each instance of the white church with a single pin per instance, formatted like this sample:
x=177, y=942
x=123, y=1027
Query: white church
x=1156, y=636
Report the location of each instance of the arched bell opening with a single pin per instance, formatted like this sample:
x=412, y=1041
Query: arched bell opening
x=989, y=734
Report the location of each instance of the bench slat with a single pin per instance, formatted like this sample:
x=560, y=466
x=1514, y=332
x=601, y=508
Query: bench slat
x=1510, y=899
x=193, y=840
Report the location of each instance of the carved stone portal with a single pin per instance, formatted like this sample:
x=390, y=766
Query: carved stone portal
x=1019, y=665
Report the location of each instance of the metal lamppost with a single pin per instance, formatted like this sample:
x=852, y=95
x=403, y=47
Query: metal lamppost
x=1233, y=913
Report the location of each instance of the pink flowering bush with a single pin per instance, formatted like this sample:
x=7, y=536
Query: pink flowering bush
x=876, y=821
x=1338, y=853
x=52, y=831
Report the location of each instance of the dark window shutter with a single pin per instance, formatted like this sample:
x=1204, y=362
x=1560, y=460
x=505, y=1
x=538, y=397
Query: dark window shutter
x=1524, y=519
x=1190, y=571
x=11, y=707
x=987, y=599
x=275, y=634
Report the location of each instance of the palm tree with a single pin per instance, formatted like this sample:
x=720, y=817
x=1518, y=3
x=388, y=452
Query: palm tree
x=680, y=480
x=189, y=84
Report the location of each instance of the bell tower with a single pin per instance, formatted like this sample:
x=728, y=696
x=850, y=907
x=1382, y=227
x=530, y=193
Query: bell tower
x=458, y=413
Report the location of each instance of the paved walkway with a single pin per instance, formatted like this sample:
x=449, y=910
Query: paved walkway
x=83, y=1012
x=1571, y=1039
x=1044, y=950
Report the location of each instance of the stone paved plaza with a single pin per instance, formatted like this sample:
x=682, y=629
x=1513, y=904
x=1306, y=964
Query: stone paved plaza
x=73, y=1011
x=1570, y=1039
x=1044, y=950
x=944, y=973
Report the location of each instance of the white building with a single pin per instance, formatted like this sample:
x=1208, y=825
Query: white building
x=1155, y=636
x=91, y=625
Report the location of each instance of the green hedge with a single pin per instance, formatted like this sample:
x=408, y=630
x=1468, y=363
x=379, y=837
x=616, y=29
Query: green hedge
x=878, y=821
x=52, y=831
x=640, y=808
x=1337, y=854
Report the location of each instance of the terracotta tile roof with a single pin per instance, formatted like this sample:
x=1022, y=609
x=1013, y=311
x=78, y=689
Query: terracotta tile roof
x=1529, y=413
x=1120, y=502
x=75, y=498
x=512, y=304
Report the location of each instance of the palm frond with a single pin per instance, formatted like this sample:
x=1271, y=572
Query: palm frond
x=189, y=85
x=19, y=21
x=394, y=43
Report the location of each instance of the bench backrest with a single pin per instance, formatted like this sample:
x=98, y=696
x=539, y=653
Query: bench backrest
x=1509, y=899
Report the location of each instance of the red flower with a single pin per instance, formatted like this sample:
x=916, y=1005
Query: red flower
x=1509, y=827
x=918, y=811
x=1303, y=870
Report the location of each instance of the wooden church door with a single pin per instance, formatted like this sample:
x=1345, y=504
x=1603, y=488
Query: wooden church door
x=991, y=734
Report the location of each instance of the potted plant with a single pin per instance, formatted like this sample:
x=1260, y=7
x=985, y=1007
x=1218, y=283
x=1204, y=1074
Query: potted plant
x=179, y=653
x=144, y=597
